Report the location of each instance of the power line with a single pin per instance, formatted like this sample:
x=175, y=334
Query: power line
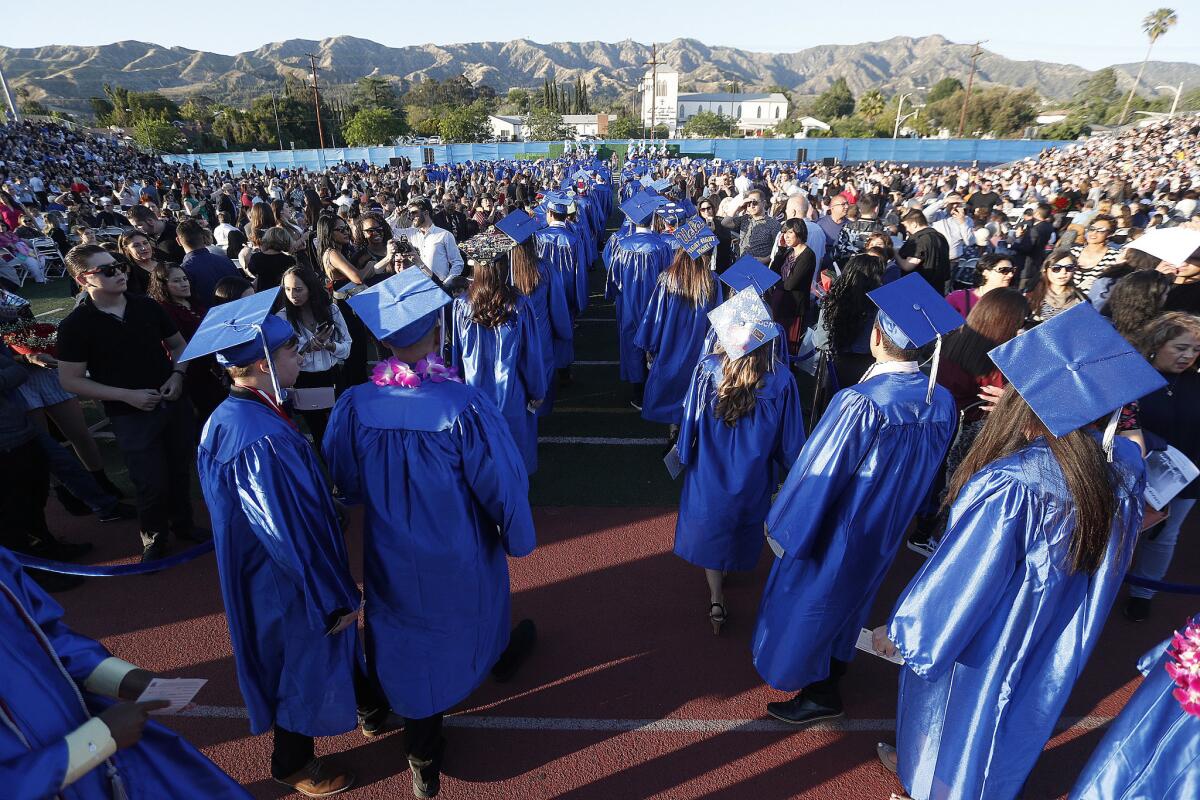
x=962, y=117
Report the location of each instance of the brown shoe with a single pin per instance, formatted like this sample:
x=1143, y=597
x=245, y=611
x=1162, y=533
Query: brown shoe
x=319, y=778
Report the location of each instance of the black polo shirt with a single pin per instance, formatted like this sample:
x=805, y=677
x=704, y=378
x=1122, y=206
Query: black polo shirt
x=934, y=253
x=127, y=353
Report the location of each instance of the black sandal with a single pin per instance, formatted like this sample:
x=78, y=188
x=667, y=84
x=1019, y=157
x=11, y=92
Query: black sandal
x=717, y=618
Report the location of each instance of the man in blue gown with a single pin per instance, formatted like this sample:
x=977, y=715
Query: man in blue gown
x=635, y=262
x=290, y=600
x=840, y=517
x=59, y=735
x=560, y=248
x=446, y=499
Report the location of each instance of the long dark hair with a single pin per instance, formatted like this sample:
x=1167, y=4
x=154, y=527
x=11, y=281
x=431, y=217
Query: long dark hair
x=847, y=307
x=994, y=320
x=319, y=302
x=689, y=279
x=522, y=262
x=493, y=300
x=324, y=241
x=160, y=276
x=1136, y=299
x=737, y=392
x=1037, y=294
x=1009, y=428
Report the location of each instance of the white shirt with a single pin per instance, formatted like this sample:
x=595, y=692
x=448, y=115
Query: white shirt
x=221, y=233
x=957, y=234
x=438, y=250
x=320, y=359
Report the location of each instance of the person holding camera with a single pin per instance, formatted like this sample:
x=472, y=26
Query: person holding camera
x=433, y=248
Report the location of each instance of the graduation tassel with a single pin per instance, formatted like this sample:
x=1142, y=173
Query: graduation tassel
x=933, y=369
x=270, y=366
x=1110, y=434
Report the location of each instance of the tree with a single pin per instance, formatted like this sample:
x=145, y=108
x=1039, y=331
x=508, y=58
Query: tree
x=625, y=126
x=854, y=127
x=871, y=104
x=1155, y=24
x=836, y=101
x=546, y=125
x=466, y=123
x=157, y=134
x=1190, y=101
x=518, y=100
x=943, y=89
x=1095, y=100
x=708, y=124
x=374, y=92
x=372, y=126
x=661, y=131
x=997, y=110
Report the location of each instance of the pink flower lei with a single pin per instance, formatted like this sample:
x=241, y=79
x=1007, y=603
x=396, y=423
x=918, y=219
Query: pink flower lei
x=394, y=372
x=1184, y=668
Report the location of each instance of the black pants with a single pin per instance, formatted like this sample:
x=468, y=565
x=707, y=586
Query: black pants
x=159, y=448
x=423, y=737
x=291, y=751
x=318, y=420
x=825, y=692
x=24, y=486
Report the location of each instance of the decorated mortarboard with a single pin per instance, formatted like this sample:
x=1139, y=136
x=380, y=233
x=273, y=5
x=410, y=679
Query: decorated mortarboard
x=1074, y=369
x=402, y=309
x=743, y=324
x=671, y=213
x=241, y=332
x=641, y=207
x=662, y=184
x=581, y=176
x=749, y=271
x=517, y=225
x=646, y=181
x=912, y=315
x=695, y=237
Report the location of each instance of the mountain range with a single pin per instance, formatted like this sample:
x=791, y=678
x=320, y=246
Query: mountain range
x=64, y=77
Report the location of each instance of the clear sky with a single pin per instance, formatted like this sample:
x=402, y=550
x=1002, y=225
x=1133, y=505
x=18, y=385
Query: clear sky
x=1092, y=34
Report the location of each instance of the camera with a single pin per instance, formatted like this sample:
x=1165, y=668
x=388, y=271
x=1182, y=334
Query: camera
x=404, y=246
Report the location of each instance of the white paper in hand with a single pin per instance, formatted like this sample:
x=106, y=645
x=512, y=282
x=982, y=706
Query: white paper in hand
x=178, y=691
x=671, y=459
x=866, y=644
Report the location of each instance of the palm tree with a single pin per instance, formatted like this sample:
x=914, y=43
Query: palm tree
x=1154, y=25
x=871, y=104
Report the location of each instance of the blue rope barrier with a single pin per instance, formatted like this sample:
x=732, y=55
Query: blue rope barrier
x=1159, y=586
x=84, y=571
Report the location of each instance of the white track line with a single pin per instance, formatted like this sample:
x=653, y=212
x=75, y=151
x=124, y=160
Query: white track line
x=600, y=440
x=671, y=725
x=51, y=311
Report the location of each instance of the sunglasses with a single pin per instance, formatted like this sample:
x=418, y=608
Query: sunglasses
x=1094, y=229
x=1062, y=268
x=1005, y=270
x=752, y=202
x=705, y=208
x=341, y=229
x=370, y=231
x=108, y=270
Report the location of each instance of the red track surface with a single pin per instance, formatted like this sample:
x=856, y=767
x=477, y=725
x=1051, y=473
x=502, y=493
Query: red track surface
x=623, y=636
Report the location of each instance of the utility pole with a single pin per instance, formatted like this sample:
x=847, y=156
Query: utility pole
x=275, y=108
x=12, y=107
x=317, y=99
x=653, y=65
x=962, y=118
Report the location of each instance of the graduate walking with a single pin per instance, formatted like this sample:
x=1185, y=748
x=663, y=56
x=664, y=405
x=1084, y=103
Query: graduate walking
x=999, y=622
x=742, y=427
x=446, y=501
x=290, y=600
x=841, y=515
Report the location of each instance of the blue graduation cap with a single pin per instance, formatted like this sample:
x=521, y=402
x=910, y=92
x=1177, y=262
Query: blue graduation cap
x=557, y=202
x=671, y=213
x=1075, y=368
x=641, y=207
x=912, y=313
x=241, y=332
x=517, y=225
x=695, y=237
x=402, y=309
x=743, y=324
x=662, y=184
x=646, y=181
x=749, y=271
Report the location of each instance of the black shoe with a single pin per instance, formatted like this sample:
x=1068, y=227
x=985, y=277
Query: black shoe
x=193, y=534
x=54, y=582
x=118, y=512
x=54, y=549
x=520, y=644
x=427, y=774
x=636, y=403
x=155, y=551
x=1137, y=609
x=374, y=728
x=107, y=485
x=801, y=711
x=74, y=506
x=565, y=378
x=923, y=547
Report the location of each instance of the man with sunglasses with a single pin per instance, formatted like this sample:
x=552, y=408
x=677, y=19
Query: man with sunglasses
x=434, y=248
x=756, y=229
x=111, y=348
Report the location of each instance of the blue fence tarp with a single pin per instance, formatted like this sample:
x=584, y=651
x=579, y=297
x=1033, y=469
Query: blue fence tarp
x=910, y=151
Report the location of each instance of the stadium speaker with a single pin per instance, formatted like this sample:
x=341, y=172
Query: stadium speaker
x=229, y=161
x=427, y=155
x=396, y=162
x=829, y=161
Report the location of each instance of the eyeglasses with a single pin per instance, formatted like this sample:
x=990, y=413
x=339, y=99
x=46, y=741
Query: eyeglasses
x=109, y=270
x=1062, y=268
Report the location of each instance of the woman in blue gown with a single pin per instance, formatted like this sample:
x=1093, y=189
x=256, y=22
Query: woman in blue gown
x=497, y=349
x=998, y=624
x=742, y=427
x=1152, y=750
x=672, y=335
x=54, y=740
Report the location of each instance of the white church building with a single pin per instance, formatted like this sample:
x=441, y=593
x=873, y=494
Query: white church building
x=751, y=112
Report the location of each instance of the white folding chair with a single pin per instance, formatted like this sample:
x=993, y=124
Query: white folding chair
x=47, y=250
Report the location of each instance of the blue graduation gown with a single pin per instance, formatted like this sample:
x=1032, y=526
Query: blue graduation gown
x=1152, y=750
x=994, y=629
x=731, y=472
x=637, y=261
x=39, y=707
x=283, y=569
x=585, y=254
x=446, y=497
x=507, y=365
x=673, y=331
x=554, y=325
x=840, y=518
x=559, y=246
